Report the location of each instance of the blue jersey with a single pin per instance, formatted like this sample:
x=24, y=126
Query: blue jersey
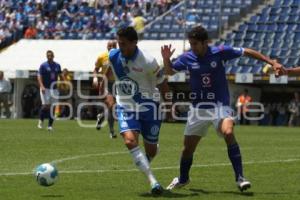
x=207, y=74
x=49, y=73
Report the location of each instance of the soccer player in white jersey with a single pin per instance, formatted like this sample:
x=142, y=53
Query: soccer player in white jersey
x=211, y=103
x=137, y=75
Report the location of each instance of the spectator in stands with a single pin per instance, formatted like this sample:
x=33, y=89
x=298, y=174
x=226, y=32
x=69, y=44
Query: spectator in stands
x=192, y=18
x=294, y=109
x=31, y=32
x=242, y=107
x=281, y=117
x=266, y=120
x=5, y=88
x=139, y=24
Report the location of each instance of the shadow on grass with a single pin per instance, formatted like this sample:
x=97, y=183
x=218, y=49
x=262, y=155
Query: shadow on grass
x=250, y=194
x=52, y=196
x=169, y=194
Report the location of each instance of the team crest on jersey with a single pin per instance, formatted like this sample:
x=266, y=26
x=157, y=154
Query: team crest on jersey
x=206, y=80
x=126, y=69
x=154, y=130
x=128, y=86
x=213, y=64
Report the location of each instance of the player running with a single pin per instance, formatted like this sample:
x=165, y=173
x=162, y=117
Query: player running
x=137, y=74
x=101, y=67
x=211, y=105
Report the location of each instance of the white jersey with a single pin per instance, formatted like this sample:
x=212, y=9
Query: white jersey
x=136, y=79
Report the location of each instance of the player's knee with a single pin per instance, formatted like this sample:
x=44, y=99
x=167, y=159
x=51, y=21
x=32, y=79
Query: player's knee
x=228, y=131
x=130, y=143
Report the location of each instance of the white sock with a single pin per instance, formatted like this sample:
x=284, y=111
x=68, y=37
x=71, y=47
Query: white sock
x=142, y=163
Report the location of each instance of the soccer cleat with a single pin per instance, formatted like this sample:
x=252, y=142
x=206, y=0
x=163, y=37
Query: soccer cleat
x=243, y=184
x=50, y=128
x=40, y=124
x=175, y=184
x=113, y=135
x=100, y=119
x=157, y=189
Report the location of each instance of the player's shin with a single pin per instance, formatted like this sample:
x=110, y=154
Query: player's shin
x=142, y=163
x=235, y=157
x=185, y=166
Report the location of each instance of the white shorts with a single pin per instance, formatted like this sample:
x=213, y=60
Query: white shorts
x=49, y=97
x=199, y=120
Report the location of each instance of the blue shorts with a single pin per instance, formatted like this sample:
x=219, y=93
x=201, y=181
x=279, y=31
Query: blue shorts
x=147, y=123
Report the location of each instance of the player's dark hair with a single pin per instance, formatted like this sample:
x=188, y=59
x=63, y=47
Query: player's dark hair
x=49, y=51
x=198, y=33
x=129, y=33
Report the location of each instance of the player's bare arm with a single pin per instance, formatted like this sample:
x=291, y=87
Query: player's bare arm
x=290, y=71
x=259, y=56
x=40, y=81
x=167, y=52
x=95, y=77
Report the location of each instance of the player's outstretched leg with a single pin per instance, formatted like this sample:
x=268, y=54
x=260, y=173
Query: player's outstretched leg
x=140, y=160
x=234, y=155
x=186, y=161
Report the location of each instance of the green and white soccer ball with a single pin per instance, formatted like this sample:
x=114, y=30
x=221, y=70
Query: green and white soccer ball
x=46, y=174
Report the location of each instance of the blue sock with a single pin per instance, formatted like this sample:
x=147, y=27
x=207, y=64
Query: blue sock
x=236, y=160
x=111, y=121
x=42, y=114
x=185, y=166
x=50, y=122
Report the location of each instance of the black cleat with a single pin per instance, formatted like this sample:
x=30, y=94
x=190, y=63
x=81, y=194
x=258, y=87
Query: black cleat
x=100, y=119
x=157, y=189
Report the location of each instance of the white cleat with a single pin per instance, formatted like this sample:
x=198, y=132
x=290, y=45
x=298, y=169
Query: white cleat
x=50, y=128
x=40, y=124
x=243, y=184
x=175, y=184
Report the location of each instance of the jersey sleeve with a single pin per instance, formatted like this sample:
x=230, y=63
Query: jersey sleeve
x=179, y=64
x=229, y=53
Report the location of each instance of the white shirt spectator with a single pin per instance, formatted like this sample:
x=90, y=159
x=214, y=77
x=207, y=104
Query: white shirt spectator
x=5, y=86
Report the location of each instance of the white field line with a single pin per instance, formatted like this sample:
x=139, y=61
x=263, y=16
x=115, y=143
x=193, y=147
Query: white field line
x=297, y=159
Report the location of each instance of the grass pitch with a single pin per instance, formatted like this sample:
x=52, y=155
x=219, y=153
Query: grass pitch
x=93, y=166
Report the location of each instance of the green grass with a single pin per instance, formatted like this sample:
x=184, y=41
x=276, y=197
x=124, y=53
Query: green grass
x=271, y=156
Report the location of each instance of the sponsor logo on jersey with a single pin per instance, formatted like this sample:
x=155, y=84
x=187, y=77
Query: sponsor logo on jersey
x=137, y=69
x=128, y=86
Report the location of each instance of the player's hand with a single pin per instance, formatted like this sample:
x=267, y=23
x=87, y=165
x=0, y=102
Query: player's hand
x=282, y=71
x=167, y=51
x=277, y=67
x=43, y=89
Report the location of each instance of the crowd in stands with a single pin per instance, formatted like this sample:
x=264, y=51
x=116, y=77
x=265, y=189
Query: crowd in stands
x=74, y=19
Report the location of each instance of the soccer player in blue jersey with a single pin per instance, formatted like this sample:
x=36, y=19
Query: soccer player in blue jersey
x=137, y=75
x=47, y=77
x=211, y=103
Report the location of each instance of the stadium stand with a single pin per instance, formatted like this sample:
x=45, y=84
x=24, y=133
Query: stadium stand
x=72, y=19
x=275, y=31
x=205, y=12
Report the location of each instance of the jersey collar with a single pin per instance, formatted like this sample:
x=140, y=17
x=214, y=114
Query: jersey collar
x=132, y=58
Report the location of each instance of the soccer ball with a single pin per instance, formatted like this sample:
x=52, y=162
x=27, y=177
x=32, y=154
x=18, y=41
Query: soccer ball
x=46, y=174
